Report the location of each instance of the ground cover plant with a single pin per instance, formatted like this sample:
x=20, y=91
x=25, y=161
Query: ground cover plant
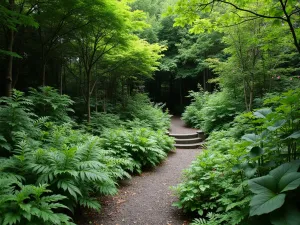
x=249, y=177
x=211, y=111
x=48, y=168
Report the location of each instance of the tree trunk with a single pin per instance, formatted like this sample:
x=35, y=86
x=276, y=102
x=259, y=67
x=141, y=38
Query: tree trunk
x=204, y=80
x=11, y=38
x=180, y=92
x=245, y=96
x=88, y=97
x=44, y=74
x=96, y=98
x=8, y=79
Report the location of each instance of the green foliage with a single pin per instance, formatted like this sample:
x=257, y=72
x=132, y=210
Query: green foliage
x=143, y=147
x=275, y=194
x=48, y=103
x=258, y=152
x=211, y=111
x=101, y=121
x=139, y=106
x=69, y=161
x=29, y=204
x=47, y=166
x=15, y=116
x=213, y=190
x=192, y=115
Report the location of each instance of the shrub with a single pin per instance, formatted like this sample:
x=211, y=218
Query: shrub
x=213, y=190
x=47, y=102
x=219, y=109
x=70, y=162
x=101, y=121
x=140, y=107
x=15, y=116
x=192, y=115
x=30, y=205
x=211, y=111
x=47, y=167
x=258, y=151
x=142, y=146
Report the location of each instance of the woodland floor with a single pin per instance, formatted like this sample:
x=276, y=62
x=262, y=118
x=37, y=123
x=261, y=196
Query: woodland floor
x=147, y=199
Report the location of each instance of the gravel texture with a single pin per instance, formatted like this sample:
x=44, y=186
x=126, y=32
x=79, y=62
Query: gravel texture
x=147, y=199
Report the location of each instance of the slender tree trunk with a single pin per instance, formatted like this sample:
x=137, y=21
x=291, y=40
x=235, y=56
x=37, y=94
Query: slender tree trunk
x=11, y=38
x=88, y=97
x=61, y=79
x=245, y=95
x=104, y=103
x=8, y=79
x=204, y=80
x=96, y=98
x=180, y=92
x=44, y=74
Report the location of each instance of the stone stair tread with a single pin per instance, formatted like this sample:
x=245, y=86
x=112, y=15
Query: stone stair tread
x=176, y=134
x=184, y=136
x=191, y=146
x=189, y=139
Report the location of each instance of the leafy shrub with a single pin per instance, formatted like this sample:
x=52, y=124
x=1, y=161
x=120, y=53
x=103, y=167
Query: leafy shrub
x=219, y=109
x=47, y=102
x=142, y=146
x=48, y=167
x=260, y=148
x=140, y=107
x=101, y=121
x=15, y=116
x=29, y=204
x=210, y=188
x=192, y=115
x=72, y=167
x=211, y=111
x=276, y=194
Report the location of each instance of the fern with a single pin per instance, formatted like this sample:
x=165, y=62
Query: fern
x=29, y=204
x=199, y=221
x=47, y=102
x=15, y=116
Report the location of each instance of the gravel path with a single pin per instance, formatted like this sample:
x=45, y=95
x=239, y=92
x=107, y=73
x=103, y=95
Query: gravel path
x=147, y=199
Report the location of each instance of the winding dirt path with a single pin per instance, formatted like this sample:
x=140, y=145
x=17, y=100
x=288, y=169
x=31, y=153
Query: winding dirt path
x=147, y=199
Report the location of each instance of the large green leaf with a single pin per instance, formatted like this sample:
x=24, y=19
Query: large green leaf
x=262, y=113
x=265, y=203
x=277, y=125
x=256, y=151
x=250, y=137
x=294, y=135
x=288, y=215
x=265, y=184
x=289, y=182
x=286, y=168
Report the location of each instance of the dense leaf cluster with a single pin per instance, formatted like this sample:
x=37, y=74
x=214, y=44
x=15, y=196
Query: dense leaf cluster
x=48, y=168
x=249, y=172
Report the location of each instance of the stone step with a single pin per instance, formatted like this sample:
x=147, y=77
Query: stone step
x=189, y=146
x=184, y=136
x=188, y=141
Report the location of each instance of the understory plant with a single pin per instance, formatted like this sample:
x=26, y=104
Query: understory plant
x=213, y=190
x=211, y=111
x=142, y=146
x=48, y=168
x=257, y=156
x=30, y=204
x=140, y=107
x=192, y=115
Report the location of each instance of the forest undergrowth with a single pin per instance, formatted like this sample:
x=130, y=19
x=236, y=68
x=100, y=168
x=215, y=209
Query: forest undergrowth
x=50, y=165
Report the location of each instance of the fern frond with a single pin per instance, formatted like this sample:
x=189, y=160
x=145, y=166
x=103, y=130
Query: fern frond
x=89, y=203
